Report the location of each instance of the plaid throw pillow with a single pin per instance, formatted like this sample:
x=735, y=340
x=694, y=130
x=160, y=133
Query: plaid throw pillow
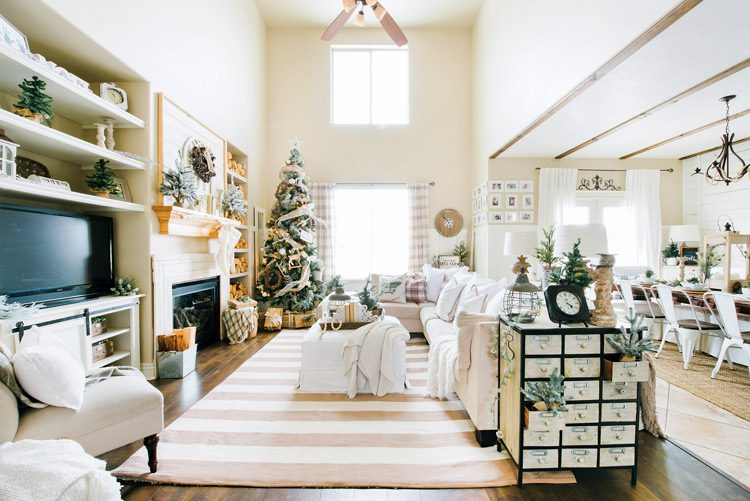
x=416, y=290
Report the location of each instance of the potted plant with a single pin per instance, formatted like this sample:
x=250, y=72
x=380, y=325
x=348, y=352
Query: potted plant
x=370, y=300
x=179, y=185
x=706, y=263
x=671, y=253
x=33, y=103
x=102, y=181
x=98, y=326
x=694, y=283
x=233, y=202
x=648, y=277
x=462, y=252
x=630, y=344
x=548, y=402
x=545, y=253
x=574, y=270
x=334, y=283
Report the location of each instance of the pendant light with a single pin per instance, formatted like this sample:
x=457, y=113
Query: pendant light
x=719, y=170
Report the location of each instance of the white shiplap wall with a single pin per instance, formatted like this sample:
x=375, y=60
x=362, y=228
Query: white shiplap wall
x=703, y=203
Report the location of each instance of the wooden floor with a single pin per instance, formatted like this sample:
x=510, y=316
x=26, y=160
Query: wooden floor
x=665, y=470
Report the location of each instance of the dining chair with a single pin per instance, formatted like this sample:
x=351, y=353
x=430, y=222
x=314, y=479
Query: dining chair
x=729, y=324
x=688, y=331
x=652, y=311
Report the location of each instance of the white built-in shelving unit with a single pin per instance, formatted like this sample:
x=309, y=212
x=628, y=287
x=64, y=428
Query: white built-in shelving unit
x=246, y=228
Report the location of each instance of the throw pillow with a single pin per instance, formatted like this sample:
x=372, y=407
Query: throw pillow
x=495, y=303
x=436, y=279
x=492, y=288
x=473, y=304
x=8, y=378
x=416, y=290
x=464, y=276
x=392, y=289
x=446, y=303
x=50, y=375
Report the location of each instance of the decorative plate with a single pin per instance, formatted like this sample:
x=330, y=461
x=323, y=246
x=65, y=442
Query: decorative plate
x=26, y=167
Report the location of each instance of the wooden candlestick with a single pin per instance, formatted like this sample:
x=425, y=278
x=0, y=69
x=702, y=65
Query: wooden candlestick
x=604, y=313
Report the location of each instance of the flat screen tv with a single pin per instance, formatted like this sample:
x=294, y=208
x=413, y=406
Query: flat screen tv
x=50, y=255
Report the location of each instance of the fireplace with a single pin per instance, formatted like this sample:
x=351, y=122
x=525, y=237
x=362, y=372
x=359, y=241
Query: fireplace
x=196, y=303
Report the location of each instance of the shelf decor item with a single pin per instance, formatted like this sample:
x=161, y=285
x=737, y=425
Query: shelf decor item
x=124, y=286
x=98, y=326
x=102, y=181
x=13, y=37
x=545, y=253
x=671, y=253
x=368, y=299
x=26, y=167
x=17, y=310
x=449, y=222
x=179, y=185
x=521, y=303
x=32, y=102
x=111, y=93
x=202, y=161
x=233, y=202
x=8, y=150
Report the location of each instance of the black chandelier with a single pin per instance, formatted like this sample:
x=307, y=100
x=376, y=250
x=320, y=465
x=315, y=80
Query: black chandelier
x=719, y=171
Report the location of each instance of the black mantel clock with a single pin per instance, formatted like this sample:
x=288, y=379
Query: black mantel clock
x=566, y=304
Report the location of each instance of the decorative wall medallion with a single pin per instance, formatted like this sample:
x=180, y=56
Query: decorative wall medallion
x=598, y=183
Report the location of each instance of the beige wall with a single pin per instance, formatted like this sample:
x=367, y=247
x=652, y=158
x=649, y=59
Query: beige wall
x=435, y=146
x=671, y=183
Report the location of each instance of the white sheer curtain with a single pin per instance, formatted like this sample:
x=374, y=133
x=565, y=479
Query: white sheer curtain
x=557, y=195
x=324, y=200
x=644, y=211
x=419, y=198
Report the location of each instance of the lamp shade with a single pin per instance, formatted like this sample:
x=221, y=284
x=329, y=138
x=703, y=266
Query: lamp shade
x=520, y=243
x=593, y=239
x=685, y=233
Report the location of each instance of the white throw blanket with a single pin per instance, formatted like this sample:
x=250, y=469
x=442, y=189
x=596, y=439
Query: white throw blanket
x=53, y=469
x=368, y=358
x=443, y=356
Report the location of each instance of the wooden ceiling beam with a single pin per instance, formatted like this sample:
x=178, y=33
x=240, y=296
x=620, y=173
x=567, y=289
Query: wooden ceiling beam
x=672, y=100
x=655, y=30
x=744, y=139
x=686, y=134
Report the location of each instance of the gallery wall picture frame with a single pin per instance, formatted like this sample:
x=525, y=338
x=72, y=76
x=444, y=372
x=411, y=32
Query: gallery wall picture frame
x=690, y=254
x=496, y=201
x=526, y=217
x=497, y=217
x=527, y=202
x=124, y=191
x=511, y=186
x=512, y=201
x=496, y=186
x=526, y=186
x=511, y=216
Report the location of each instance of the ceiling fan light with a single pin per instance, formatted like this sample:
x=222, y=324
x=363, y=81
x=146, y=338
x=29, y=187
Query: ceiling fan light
x=379, y=11
x=360, y=19
x=349, y=4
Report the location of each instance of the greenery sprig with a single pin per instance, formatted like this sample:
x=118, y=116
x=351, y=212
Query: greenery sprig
x=707, y=262
x=545, y=251
x=551, y=392
x=124, y=286
x=627, y=342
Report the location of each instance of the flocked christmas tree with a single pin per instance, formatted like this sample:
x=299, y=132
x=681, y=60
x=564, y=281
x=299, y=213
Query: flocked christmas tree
x=290, y=275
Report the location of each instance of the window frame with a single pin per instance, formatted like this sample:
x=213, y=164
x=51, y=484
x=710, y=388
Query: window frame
x=368, y=49
x=597, y=200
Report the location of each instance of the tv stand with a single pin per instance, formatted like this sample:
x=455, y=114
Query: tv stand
x=72, y=324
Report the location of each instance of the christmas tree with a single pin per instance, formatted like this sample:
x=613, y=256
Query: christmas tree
x=34, y=99
x=574, y=271
x=290, y=275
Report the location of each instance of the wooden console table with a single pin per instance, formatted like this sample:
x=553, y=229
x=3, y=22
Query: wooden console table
x=601, y=425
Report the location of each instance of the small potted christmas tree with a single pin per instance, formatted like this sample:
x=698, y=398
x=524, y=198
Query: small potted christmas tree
x=33, y=103
x=631, y=346
x=574, y=270
x=233, y=203
x=102, y=181
x=369, y=300
x=180, y=186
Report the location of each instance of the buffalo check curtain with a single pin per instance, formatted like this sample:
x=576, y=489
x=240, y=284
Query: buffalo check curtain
x=419, y=198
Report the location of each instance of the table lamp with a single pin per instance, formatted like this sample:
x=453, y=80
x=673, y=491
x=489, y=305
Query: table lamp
x=520, y=244
x=593, y=239
x=682, y=234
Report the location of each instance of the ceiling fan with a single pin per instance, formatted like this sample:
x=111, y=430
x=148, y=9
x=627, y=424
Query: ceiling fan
x=383, y=16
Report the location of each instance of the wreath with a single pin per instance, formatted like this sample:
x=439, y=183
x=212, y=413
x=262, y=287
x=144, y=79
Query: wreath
x=273, y=280
x=203, y=163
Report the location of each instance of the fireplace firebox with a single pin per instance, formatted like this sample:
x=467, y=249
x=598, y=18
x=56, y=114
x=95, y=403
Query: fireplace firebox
x=196, y=304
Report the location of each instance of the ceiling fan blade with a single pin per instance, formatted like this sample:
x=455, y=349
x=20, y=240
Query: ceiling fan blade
x=336, y=25
x=390, y=27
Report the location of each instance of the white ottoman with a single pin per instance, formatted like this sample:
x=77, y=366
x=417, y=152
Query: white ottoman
x=322, y=369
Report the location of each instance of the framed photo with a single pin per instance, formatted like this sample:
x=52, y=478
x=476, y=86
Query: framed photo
x=526, y=186
x=512, y=202
x=511, y=185
x=527, y=202
x=690, y=254
x=511, y=217
x=497, y=217
x=496, y=186
x=12, y=36
x=526, y=217
x=124, y=193
x=482, y=190
x=496, y=201
x=481, y=218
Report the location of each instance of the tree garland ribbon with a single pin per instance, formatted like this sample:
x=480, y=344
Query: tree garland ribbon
x=297, y=285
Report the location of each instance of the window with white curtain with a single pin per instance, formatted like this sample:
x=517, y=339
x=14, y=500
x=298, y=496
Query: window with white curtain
x=369, y=85
x=372, y=230
x=609, y=209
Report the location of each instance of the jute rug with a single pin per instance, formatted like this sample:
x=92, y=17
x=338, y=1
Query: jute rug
x=730, y=390
x=255, y=429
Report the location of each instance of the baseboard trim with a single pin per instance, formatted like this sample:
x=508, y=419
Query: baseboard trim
x=486, y=438
x=149, y=370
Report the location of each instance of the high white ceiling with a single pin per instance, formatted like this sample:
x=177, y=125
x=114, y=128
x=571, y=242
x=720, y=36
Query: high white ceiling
x=706, y=41
x=407, y=13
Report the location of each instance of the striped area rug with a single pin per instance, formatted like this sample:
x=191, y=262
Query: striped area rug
x=255, y=429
